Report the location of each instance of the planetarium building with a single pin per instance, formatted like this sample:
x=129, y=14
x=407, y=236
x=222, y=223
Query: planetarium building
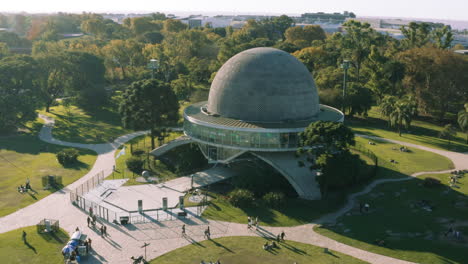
x=259, y=101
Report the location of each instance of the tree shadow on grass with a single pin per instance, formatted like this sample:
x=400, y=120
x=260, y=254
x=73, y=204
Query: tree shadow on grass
x=221, y=245
x=418, y=133
x=77, y=165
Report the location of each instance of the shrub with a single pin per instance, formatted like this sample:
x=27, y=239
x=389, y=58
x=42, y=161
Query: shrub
x=135, y=164
x=274, y=199
x=67, y=156
x=241, y=198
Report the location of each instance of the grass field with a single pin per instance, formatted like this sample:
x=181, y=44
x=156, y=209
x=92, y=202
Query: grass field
x=241, y=250
x=25, y=156
x=411, y=232
x=40, y=248
x=422, y=133
x=73, y=124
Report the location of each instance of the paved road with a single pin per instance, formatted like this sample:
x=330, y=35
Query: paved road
x=124, y=242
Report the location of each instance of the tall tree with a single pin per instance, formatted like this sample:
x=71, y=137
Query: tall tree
x=443, y=37
x=448, y=132
x=149, y=104
x=463, y=120
x=416, y=35
x=402, y=114
x=357, y=43
x=19, y=94
x=55, y=75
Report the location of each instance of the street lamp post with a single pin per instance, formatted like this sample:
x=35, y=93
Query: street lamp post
x=153, y=65
x=345, y=65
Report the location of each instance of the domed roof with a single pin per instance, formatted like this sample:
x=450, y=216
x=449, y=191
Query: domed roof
x=264, y=85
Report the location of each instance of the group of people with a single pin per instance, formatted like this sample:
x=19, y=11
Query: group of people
x=24, y=188
x=252, y=222
x=92, y=220
x=280, y=236
x=268, y=246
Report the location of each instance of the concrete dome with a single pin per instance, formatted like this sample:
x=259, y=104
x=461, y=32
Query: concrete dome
x=264, y=85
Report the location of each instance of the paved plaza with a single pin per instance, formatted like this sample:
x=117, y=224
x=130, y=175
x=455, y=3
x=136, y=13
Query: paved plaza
x=164, y=236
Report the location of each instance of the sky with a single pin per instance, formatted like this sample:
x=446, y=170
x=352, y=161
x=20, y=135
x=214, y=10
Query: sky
x=438, y=9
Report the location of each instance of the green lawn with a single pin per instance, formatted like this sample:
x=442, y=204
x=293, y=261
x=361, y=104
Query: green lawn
x=25, y=156
x=422, y=133
x=299, y=211
x=415, y=160
x=241, y=250
x=73, y=124
x=410, y=232
x=40, y=248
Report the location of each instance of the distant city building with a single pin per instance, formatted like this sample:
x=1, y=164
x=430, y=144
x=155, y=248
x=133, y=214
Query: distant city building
x=321, y=17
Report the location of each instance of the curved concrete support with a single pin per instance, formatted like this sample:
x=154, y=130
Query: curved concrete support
x=182, y=140
x=301, y=178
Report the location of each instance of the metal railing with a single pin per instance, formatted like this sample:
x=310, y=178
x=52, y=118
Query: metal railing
x=88, y=185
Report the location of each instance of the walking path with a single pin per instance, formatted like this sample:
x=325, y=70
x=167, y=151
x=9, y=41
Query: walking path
x=126, y=241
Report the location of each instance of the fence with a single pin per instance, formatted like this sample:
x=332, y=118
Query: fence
x=84, y=188
x=137, y=217
x=366, y=152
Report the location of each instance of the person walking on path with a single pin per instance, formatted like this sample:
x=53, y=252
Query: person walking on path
x=183, y=230
x=282, y=235
x=249, y=222
x=24, y=236
x=104, y=228
x=91, y=211
x=88, y=220
x=102, y=231
x=256, y=225
x=89, y=242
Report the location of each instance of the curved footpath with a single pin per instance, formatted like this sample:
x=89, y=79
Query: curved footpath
x=120, y=245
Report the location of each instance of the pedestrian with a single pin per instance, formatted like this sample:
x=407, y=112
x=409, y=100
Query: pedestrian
x=256, y=220
x=256, y=226
x=87, y=246
x=282, y=235
x=88, y=220
x=94, y=219
x=91, y=211
x=24, y=236
x=105, y=230
x=249, y=222
x=183, y=230
x=102, y=231
x=366, y=206
x=278, y=238
x=89, y=242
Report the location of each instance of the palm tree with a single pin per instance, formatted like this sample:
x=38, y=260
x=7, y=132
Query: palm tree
x=402, y=114
x=463, y=120
x=387, y=106
x=448, y=132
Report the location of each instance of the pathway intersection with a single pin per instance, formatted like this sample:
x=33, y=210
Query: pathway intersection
x=126, y=241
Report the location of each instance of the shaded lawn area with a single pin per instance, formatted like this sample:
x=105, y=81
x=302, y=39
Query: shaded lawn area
x=156, y=167
x=73, y=124
x=298, y=211
x=40, y=248
x=411, y=232
x=25, y=156
x=241, y=250
x=422, y=133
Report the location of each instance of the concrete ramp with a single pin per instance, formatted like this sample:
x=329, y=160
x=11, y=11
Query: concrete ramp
x=302, y=179
x=200, y=179
x=182, y=140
